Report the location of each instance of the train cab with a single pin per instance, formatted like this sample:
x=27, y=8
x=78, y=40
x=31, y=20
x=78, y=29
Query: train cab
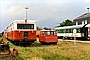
x=21, y=31
x=48, y=36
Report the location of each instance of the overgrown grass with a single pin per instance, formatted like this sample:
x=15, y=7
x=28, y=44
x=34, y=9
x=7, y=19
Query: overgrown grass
x=62, y=51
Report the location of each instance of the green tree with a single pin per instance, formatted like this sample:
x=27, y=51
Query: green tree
x=38, y=28
x=47, y=28
x=66, y=23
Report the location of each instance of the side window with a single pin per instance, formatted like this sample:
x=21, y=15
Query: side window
x=62, y=30
x=78, y=30
x=57, y=31
x=71, y=30
x=48, y=33
x=81, y=30
x=45, y=33
x=52, y=33
x=42, y=33
x=66, y=31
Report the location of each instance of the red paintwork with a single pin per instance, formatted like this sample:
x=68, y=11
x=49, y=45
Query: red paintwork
x=18, y=35
x=48, y=38
x=89, y=33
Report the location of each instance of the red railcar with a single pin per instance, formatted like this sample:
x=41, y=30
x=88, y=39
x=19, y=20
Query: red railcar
x=21, y=30
x=48, y=36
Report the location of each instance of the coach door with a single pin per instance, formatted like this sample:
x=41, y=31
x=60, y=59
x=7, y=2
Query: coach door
x=25, y=35
x=86, y=33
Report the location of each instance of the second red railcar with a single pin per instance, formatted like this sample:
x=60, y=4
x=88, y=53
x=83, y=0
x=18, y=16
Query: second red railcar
x=48, y=36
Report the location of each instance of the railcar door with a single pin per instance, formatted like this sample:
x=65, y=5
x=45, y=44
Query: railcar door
x=86, y=33
x=25, y=35
x=89, y=33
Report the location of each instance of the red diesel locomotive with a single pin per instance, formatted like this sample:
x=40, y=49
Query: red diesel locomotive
x=48, y=36
x=21, y=30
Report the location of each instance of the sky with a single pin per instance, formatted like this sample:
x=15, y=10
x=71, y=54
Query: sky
x=47, y=13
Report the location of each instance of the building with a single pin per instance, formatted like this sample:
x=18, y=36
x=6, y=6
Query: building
x=83, y=19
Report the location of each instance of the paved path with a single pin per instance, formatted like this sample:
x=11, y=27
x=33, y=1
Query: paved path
x=75, y=41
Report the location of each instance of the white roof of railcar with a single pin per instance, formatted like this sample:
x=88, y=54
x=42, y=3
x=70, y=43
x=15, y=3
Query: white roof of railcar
x=47, y=30
x=23, y=21
x=70, y=27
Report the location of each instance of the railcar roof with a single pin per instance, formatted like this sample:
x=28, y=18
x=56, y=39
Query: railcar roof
x=24, y=21
x=70, y=27
x=21, y=21
x=47, y=30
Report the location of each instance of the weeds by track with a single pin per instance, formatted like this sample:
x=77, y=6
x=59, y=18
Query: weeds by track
x=64, y=50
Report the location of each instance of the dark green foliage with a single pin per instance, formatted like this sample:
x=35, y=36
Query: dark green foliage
x=38, y=28
x=47, y=28
x=1, y=34
x=66, y=23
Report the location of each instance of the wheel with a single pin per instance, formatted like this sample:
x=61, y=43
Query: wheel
x=54, y=43
x=42, y=43
x=15, y=52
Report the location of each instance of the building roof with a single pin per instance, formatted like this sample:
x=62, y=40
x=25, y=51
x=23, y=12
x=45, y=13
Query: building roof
x=70, y=27
x=86, y=15
x=88, y=25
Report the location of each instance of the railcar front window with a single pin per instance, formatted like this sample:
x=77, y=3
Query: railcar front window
x=47, y=33
x=52, y=33
x=25, y=26
x=42, y=33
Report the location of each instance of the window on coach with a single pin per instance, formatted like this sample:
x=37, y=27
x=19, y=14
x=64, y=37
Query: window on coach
x=78, y=30
x=52, y=32
x=62, y=31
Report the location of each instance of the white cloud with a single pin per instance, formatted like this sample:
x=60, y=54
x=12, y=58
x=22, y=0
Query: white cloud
x=88, y=1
